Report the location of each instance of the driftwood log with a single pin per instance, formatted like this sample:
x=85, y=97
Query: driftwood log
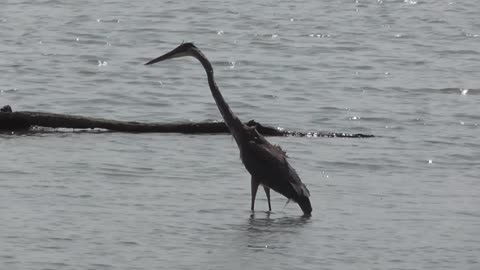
x=23, y=120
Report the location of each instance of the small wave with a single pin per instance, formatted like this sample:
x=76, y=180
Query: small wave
x=128, y=243
x=457, y=91
x=460, y=52
x=66, y=239
x=108, y=20
x=10, y=90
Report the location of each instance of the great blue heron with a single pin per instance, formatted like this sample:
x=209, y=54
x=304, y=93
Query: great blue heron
x=266, y=163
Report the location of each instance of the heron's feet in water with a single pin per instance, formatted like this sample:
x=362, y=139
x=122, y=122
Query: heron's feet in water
x=267, y=192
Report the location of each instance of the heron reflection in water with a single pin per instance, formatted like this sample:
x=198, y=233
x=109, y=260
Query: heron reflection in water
x=266, y=163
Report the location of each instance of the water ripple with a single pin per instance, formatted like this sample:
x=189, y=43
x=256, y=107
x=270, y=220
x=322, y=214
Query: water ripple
x=102, y=200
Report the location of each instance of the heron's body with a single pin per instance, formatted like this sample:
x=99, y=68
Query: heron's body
x=266, y=163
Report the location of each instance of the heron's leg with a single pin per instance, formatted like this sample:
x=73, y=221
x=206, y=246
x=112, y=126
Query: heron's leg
x=255, y=184
x=267, y=191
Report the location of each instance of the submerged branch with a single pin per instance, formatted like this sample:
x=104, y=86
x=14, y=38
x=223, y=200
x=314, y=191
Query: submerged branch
x=10, y=121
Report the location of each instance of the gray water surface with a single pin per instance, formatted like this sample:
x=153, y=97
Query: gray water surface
x=406, y=71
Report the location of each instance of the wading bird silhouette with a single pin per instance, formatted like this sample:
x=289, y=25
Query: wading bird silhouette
x=266, y=163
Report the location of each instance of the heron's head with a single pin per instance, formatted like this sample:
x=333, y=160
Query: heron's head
x=185, y=49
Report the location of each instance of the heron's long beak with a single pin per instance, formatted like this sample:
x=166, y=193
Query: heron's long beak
x=177, y=52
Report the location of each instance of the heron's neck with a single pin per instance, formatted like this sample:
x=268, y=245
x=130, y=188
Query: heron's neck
x=231, y=120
